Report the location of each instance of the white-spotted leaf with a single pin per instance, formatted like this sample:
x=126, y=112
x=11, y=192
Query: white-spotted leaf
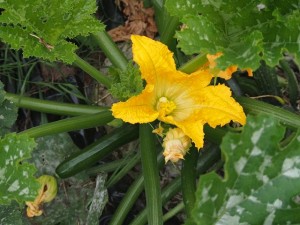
x=260, y=182
x=8, y=112
x=17, y=181
x=246, y=31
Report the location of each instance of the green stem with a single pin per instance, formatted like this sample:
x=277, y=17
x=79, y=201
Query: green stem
x=258, y=107
x=92, y=71
x=151, y=175
x=293, y=87
x=166, y=24
x=53, y=107
x=147, y=3
x=131, y=196
x=127, y=202
x=167, y=193
x=209, y=156
x=188, y=179
x=111, y=50
x=70, y=124
x=214, y=135
x=158, y=4
x=116, y=177
x=107, y=167
x=173, y=211
x=167, y=34
x=193, y=64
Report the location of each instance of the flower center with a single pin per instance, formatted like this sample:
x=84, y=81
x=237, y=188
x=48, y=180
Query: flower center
x=164, y=106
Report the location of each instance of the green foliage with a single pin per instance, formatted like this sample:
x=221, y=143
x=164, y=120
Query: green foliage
x=261, y=179
x=41, y=27
x=17, y=181
x=12, y=215
x=266, y=80
x=245, y=31
x=126, y=83
x=8, y=112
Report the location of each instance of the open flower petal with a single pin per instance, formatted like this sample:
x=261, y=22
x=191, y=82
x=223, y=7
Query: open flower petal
x=217, y=107
x=137, y=109
x=200, y=78
x=193, y=129
x=151, y=56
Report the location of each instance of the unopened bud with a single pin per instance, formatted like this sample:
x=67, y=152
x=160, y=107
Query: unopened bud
x=176, y=144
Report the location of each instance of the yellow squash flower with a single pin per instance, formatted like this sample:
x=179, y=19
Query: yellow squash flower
x=171, y=96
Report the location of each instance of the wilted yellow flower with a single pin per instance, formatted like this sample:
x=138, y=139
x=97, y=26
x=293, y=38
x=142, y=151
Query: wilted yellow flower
x=249, y=71
x=176, y=144
x=171, y=96
x=46, y=193
x=225, y=74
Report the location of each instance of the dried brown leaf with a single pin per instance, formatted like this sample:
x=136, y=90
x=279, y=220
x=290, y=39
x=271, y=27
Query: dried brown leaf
x=139, y=21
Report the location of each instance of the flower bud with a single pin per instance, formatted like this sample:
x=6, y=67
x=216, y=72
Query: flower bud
x=176, y=144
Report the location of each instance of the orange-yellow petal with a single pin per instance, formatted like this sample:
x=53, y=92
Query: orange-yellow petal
x=249, y=71
x=211, y=59
x=137, y=109
x=227, y=74
x=217, y=107
x=151, y=56
x=193, y=129
x=202, y=78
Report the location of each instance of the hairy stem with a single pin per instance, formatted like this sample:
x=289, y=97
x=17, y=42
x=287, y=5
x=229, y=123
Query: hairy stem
x=92, y=71
x=53, y=107
x=70, y=124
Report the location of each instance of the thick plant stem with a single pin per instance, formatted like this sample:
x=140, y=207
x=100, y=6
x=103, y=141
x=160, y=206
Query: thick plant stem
x=108, y=167
x=194, y=64
x=129, y=199
x=188, y=179
x=173, y=211
x=293, y=87
x=111, y=50
x=208, y=157
x=166, y=24
x=125, y=169
x=167, y=193
x=52, y=107
x=151, y=175
x=70, y=124
x=258, y=107
x=131, y=196
x=92, y=71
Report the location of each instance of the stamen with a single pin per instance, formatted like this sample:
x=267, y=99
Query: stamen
x=165, y=107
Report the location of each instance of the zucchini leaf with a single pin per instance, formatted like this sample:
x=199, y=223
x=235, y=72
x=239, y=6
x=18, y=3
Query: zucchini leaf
x=261, y=181
x=8, y=112
x=17, y=181
x=246, y=32
x=43, y=28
